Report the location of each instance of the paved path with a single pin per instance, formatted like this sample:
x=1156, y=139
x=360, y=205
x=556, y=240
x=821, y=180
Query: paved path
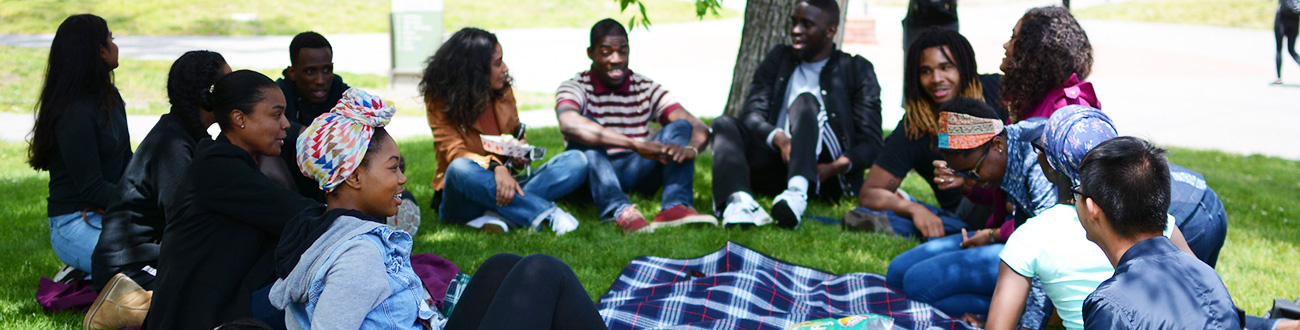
x=1182, y=85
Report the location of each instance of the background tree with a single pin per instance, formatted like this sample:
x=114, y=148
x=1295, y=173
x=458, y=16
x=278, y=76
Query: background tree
x=767, y=24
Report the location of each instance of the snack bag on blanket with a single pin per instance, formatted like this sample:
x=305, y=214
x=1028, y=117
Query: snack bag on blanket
x=856, y=322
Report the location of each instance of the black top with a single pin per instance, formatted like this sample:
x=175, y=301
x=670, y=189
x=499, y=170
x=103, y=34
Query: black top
x=902, y=154
x=220, y=235
x=852, y=97
x=923, y=13
x=91, y=150
x=133, y=227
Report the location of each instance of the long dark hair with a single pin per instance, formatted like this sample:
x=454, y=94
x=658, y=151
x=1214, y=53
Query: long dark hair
x=921, y=114
x=75, y=68
x=238, y=90
x=1050, y=46
x=188, y=83
x=459, y=75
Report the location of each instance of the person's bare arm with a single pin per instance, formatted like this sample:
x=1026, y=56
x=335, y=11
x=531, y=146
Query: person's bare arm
x=1181, y=241
x=878, y=193
x=583, y=130
x=1008, y=299
x=699, y=136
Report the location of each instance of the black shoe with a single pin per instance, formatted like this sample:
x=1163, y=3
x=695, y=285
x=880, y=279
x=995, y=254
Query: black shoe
x=785, y=217
x=1286, y=309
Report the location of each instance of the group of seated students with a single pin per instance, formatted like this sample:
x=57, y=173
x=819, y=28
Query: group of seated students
x=290, y=216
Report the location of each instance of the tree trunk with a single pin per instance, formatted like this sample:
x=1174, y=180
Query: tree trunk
x=767, y=24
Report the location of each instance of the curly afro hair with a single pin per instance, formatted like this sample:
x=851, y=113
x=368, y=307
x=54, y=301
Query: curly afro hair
x=1049, y=47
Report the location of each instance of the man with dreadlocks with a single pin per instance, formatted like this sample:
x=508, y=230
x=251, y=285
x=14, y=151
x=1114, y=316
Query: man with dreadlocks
x=809, y=126
x=940, y=66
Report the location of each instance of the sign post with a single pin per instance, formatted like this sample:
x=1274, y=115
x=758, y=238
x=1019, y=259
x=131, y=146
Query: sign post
x=415, y=34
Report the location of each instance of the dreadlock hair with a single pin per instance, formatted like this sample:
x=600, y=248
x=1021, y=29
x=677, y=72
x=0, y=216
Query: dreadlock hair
x=1050, y=46
x=606, y=28
x=459, y=75
x=75, y=69
x=922, y=117
x=309, y=39
x=189, y=82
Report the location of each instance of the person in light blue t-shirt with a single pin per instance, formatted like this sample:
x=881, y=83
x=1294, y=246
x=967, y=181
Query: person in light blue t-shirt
x=1053, y=245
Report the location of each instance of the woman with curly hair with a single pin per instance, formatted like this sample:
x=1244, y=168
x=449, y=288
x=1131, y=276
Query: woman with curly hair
x=467, y=93
x=1047, y=60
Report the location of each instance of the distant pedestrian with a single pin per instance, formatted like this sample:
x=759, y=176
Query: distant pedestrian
x=922, y=14
x=1285, y=23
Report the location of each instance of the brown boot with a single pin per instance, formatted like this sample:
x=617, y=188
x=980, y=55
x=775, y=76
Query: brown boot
x=122, y=304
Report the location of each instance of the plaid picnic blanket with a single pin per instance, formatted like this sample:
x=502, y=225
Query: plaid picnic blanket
x=739, y=288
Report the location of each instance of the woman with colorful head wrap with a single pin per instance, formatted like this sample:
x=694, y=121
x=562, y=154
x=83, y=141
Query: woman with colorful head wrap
x=329, y=258
x=467, y=93
x=987, y=153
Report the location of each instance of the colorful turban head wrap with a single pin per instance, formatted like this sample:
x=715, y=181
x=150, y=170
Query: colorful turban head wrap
x=959, y=131
x=1071, y=133
x=333, y=146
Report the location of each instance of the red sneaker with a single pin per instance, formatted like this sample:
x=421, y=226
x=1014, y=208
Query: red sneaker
x=680, y=215
x=632, y=221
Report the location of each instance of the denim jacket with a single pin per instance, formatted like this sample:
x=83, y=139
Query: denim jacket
x=349, y=258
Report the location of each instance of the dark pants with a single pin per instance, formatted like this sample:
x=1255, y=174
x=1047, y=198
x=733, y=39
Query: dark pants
x=534, y=292
x=610, y=177
x=742, y=160
x=1205, y=228
x=1285, y=25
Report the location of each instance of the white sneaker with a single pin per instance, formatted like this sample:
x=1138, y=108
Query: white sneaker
x=743, y=211
x=562, y=222
x=788, y=208
x=489, y=222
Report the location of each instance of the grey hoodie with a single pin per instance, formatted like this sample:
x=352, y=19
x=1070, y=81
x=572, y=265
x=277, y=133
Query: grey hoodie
x=343, y=306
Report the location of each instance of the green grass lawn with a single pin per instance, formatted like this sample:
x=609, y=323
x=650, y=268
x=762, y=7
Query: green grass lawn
x=287, y=17
x=1246, y=14
x=143, y=84
x=1256, y=262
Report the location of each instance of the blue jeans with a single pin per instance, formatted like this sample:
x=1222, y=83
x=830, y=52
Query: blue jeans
x=73, y=237
x=1206, y=228
x=612, y=175
x=469, y=190
x=905, y=227
x=942, y=274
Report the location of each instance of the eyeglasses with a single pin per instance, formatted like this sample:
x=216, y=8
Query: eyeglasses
x=1078, y=194
x=973, y=173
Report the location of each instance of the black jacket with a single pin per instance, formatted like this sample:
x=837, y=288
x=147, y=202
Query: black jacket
x=220, y=237
x=849, y=89
x=133, y=226
x=91, y=150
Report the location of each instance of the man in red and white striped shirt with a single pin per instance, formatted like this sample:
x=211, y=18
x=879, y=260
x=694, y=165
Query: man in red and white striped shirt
x=606, y=112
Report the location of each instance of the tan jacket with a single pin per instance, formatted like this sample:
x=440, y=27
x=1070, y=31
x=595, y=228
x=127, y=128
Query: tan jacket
x=451, y=142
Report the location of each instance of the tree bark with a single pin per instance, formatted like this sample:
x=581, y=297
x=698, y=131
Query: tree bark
x=767, y=24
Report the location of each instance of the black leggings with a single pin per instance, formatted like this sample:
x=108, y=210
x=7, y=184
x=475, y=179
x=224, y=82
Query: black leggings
x=534, y=292
x=1285, y=25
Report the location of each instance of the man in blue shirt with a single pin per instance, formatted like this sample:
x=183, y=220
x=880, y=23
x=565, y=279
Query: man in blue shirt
x=1122, y=195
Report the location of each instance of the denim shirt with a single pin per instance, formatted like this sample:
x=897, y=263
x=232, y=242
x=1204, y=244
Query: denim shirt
x=1158, y=286
x=407, y=304
x=1024, y=182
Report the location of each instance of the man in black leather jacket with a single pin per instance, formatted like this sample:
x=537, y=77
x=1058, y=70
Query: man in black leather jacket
x=810, y=125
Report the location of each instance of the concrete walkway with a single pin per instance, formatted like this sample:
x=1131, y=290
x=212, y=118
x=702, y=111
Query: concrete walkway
x=1181, y=85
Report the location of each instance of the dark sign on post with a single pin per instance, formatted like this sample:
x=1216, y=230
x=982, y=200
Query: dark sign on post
x=416, y=32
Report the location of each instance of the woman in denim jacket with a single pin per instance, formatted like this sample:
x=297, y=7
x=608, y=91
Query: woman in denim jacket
x=330, y=258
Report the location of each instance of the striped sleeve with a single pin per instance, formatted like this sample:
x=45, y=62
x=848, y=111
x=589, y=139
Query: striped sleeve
x=662, y=102
x=570, y=92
